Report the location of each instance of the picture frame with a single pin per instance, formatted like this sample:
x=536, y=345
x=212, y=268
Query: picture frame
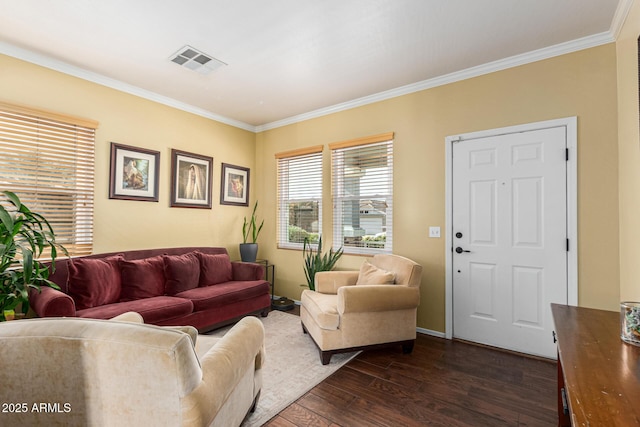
x=234, y=185
x=191, y=180
x=134, y=173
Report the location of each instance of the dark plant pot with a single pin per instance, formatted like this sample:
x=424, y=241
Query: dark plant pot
x=248, y=252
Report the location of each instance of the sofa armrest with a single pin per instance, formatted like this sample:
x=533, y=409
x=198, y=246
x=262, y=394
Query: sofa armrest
x=247, y=271
x=240, y=350
x=51, y=302
x=368, y=298
x=328, y=282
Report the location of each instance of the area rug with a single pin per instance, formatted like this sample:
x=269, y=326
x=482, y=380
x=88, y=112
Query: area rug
x=292, y=365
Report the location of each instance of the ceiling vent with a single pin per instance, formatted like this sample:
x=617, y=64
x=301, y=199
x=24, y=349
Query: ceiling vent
x=195, y=60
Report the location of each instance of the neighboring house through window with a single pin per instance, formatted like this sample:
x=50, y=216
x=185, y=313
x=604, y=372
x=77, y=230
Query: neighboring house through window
x=48, y=161
x=362, y=186
x=299, y=196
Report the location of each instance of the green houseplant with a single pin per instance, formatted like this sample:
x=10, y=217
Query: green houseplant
x=317, y=261
x=24, y=236
x=250, y=228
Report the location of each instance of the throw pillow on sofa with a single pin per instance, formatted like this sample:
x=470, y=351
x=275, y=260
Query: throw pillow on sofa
x=95, y=282
x=181, y=272
x=214, y=269
x=142, y=278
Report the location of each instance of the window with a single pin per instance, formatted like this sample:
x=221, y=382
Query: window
x=299, y=196
x=48, y=161
x=362, y=183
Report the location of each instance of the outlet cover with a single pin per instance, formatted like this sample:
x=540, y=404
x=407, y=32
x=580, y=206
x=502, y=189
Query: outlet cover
x=434, y=231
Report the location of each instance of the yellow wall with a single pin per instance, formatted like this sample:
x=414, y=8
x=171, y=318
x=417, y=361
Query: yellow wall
x=581, y=84
x=130, y=120
x=629, y=156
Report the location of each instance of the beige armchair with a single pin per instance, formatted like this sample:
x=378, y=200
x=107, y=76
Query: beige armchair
x=356, y=310
x=87, y=372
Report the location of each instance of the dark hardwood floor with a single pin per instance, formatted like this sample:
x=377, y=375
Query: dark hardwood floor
x=442, y=383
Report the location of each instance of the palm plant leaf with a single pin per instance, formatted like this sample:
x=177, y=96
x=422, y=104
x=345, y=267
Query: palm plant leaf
x=24, y=237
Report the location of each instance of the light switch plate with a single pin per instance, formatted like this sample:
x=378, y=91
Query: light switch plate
x=434, y=231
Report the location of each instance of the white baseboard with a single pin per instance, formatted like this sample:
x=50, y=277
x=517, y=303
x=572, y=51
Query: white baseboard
x=430, y=332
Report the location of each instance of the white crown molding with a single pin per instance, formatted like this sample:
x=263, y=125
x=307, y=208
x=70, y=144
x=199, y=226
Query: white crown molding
x=491, y=67
x=54, y=64
x=622, y=11
x=537, y=55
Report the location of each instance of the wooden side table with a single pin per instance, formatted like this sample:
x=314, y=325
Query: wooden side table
x=280, y=303
x=598, y=373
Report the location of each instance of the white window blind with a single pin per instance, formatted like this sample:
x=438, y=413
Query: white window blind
x=299, y=196
x=362, y=185
x=48, y=161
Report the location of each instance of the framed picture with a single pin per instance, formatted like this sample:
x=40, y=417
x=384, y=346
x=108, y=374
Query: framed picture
x=234, y=185
x=133, y=173
x=191, y=179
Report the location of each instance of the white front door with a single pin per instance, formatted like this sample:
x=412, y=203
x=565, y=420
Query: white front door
x=509, y=238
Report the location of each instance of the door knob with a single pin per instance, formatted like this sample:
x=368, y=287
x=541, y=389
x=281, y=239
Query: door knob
x=460, y=250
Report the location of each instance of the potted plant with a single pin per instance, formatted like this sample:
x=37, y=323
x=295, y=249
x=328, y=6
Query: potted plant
x=24, y=236
x=249, y=251
x=316, y=261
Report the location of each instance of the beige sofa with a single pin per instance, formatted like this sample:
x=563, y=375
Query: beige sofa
x=357, y=310
x=87, y=372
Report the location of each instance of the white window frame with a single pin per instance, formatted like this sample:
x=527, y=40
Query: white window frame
x=379, y=145
x=312, y=176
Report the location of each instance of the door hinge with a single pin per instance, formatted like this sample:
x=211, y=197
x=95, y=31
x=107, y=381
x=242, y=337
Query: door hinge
x=565, y=403
x=567, y=245
x=566, y=154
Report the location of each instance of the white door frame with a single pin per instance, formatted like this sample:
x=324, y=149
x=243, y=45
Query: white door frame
x=571, y=126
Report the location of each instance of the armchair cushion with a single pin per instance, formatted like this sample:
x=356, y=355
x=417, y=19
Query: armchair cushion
x=322, y=307
x=372, y=275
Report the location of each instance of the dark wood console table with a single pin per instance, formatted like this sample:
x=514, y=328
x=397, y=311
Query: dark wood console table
x=598, y=373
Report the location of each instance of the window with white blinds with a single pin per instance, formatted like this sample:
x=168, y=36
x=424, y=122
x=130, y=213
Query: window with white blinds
x=362, y=185
x=299, y=196
x=48, y=161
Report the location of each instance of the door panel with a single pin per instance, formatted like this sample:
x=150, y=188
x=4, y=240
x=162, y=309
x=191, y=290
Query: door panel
x=483, y=291
x=510, y=205
x=482, y=212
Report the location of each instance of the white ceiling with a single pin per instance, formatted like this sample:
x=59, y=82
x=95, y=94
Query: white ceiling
x=293, y=59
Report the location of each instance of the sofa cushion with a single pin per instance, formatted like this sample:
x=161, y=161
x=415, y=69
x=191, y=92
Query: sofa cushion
x=210, y=297
x=142, y=278
x=181, y=272
x=94, y=282
x=152, y=310
x=372, y=275
x=214, y=269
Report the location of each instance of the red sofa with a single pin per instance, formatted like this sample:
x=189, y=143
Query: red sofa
x=197, y=286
